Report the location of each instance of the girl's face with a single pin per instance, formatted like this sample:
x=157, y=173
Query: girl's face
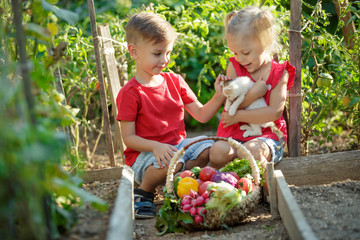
x=247, y=51
x=152, y=58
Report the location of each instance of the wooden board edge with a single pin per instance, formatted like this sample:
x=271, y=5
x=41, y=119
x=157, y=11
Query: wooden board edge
x=122, y=218
x=102, y=175
x=321, y=169
x=291, y=214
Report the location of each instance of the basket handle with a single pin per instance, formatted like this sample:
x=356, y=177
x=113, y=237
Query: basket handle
x=171, y=169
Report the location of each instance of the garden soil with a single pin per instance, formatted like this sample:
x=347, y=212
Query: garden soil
x=332, y=211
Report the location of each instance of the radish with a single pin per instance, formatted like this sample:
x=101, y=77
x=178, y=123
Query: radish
x=206, y=200
x=193, y=194
x=186, y=201
x=201, y=211
x=205, y=194
x=194, y=203
x=193, y=211
x=198, y=219
x=186, y=208
x=199, y=201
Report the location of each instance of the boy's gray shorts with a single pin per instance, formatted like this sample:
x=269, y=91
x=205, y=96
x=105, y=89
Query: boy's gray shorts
x=145, y=159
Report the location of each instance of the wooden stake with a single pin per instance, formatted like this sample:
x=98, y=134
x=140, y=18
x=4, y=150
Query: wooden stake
x=348, y=30
x=272, y=190
x=111, y=70
x=101, y=82
x=24, y=66
x=295, y=91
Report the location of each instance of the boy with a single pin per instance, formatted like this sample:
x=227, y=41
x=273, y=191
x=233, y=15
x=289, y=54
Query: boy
x=151, y=110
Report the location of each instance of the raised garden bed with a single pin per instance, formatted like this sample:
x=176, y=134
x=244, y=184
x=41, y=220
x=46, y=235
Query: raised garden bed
x=331, y=210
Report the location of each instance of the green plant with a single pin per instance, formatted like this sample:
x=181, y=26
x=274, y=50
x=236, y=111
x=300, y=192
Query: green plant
x=325, y=54
x=37, y=196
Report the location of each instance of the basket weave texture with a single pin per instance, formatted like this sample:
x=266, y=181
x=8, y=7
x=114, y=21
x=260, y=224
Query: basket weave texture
x=212, y=219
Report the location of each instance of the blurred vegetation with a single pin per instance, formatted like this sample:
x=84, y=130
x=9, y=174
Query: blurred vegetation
x=37, y=195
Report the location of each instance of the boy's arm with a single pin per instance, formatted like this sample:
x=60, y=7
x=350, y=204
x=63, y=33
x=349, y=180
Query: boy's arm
x=203, y=113
x=265, y=114
x=257, y=91
x=162, y=152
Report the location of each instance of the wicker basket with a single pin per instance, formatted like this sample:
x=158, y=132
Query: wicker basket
x=238, y=213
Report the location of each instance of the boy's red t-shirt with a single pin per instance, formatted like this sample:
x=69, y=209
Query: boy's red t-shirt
x=158, y=112
x=276, y=73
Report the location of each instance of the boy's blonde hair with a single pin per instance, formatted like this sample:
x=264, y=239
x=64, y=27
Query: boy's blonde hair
x=256, y=22
x=149, y=27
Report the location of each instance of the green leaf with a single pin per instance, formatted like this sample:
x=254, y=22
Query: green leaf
x=353, y=101
x=65, y=188
x=37, y=31
x=63, y=14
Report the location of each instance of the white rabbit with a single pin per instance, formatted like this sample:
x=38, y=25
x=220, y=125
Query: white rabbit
x=235, y=91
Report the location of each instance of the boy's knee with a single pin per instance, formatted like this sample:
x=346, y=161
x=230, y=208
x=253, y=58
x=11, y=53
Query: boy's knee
x=201, y=161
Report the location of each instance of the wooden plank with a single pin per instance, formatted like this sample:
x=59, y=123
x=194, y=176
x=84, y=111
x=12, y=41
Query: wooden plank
x=102, y=175
x=291, y=214
x=104, y=106
x=272, y=190
x=122, y=217
x=112, y=74
x=321, y=169
x=295, y=92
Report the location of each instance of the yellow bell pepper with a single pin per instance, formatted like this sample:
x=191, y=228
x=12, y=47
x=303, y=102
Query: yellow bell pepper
x=185, y=185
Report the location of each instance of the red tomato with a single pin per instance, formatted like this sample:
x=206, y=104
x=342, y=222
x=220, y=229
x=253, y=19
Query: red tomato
x=245, y=184
x=186, y=173
x=206, y=173
x=203, y=187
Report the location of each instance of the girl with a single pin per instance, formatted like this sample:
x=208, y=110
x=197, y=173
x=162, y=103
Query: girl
x=251, y=36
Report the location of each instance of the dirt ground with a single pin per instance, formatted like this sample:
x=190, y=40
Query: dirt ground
x=333, y=212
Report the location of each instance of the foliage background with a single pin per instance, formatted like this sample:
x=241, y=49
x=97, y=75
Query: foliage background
x=32, y=157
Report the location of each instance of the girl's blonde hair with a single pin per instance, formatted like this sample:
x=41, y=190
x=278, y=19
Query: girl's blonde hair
x=253, y=21
x=151, y=27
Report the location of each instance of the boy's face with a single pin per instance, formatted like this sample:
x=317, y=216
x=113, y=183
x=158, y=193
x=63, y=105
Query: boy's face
x=150, y=58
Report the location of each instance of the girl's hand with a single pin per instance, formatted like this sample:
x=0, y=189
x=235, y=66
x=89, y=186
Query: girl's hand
x=260, y=88
x=228, y=120
x=163, y=154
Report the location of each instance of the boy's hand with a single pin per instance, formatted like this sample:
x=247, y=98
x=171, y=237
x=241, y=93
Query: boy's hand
x=218, y=87
x=163, y=154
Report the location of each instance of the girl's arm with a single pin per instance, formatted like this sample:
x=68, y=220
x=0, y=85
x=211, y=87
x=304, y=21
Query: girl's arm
x=257, y=91
x=163, y=152
x=265, y=114
x=203, y=113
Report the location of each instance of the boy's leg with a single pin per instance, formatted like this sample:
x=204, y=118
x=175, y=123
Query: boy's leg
x=197, y=154
x=148, y=175
x=202, y=160
x=154, y=177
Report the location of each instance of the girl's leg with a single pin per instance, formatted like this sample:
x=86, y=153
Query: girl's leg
x=220, y=154
x=260, y=151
